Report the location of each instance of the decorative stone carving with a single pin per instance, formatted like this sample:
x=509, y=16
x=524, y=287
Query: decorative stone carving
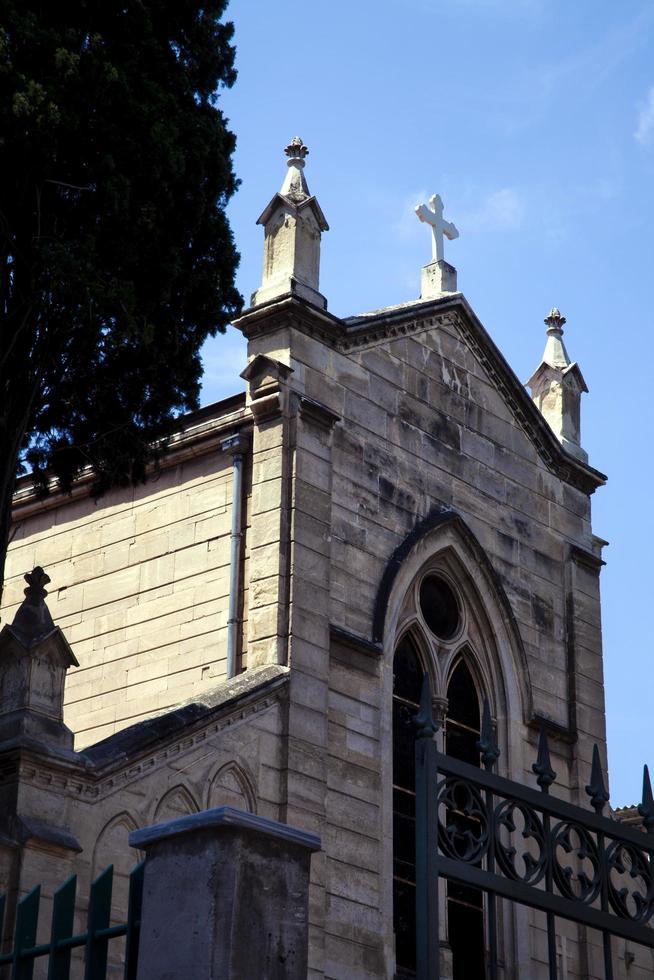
x=293, y=223
x=556, y=388
x=266, y=386
x=34, y=658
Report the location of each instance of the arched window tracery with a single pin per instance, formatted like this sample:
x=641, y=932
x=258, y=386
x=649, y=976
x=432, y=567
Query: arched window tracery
x=444, y=643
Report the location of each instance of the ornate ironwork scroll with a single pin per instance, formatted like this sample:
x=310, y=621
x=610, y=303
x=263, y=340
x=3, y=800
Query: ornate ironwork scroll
x=523, y=844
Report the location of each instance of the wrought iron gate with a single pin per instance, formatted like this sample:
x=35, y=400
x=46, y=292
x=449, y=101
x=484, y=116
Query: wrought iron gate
x=571, y=862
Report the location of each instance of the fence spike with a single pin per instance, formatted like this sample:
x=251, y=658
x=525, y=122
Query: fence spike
x=134, y=906
x=646, y=808
x=63, y=918
x=27, y=917
x=424, y=720
x=99, y=914
x=596, y=789
x=542, y=766
x=487, y=745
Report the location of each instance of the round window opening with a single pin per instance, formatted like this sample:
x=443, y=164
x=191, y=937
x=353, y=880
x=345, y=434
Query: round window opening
x=439, y=607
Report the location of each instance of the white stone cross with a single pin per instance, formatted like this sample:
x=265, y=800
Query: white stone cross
x=433, y=215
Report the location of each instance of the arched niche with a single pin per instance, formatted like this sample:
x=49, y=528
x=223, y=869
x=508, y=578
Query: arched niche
x=176, y=802
x=231, y=785
x=112, y=847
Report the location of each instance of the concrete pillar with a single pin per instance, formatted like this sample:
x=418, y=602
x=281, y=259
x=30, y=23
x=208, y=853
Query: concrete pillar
x=225, y=897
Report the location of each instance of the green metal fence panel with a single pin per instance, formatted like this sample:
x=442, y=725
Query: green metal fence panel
x=62, y=940
x=97, y=942
x=63, y=917
x=27, y=917
x=134, y=920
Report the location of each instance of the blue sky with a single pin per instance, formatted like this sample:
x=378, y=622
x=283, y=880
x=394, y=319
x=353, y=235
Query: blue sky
x=534, y=120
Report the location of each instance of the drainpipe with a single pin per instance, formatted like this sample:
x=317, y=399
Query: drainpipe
x=234, y=445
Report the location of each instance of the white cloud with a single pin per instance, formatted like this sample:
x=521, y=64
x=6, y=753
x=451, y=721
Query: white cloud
x=502, y=210
x=645, y=130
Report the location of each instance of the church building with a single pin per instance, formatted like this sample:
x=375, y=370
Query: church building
x=384, y=500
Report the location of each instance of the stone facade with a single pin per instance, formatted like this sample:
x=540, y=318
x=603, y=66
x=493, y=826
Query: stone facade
x=378, y=447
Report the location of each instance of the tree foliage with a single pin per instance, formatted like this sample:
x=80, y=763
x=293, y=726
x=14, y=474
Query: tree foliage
x=116, y=257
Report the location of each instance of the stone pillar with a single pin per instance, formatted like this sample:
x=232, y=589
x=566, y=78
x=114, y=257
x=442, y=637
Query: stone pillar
x=309, y=618
x=268, y=537
x=225, y=897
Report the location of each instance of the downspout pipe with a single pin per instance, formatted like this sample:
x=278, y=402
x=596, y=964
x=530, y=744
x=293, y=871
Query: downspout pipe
x=235, y=446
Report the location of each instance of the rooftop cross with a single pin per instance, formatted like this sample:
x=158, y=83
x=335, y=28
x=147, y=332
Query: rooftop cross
x=433, y=215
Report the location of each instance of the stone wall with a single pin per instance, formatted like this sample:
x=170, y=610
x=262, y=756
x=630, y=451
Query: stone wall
x=426, y=424
x=140, y=585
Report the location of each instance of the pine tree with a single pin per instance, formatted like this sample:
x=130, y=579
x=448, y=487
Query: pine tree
x=117, y=260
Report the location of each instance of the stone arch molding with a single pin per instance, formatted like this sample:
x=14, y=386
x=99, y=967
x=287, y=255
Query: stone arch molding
x=444, y=540
x=176, y=802
x=112, y=844
x=232, y=785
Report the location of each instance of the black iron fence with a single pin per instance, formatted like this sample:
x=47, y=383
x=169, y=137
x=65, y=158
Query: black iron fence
x=19, y=963
x=514, y=842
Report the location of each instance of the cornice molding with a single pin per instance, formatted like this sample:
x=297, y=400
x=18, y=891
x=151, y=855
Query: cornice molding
x=356, y=333
x=198, y=437
x=87, y=780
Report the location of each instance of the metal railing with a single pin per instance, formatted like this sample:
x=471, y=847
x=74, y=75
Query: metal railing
x=518, y=843
x=95, y=941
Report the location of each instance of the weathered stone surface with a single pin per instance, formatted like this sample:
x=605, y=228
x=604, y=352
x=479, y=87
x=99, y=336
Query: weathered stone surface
x=233, y=875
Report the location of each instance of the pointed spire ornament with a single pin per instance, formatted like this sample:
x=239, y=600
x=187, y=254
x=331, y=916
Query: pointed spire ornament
x=487, y=745
x=293, y=223
x=646, y=808
x=556, y=388
x=596, y=789
x=542, y=766
x=424, y=720
x=295, y=186
x=33, y=621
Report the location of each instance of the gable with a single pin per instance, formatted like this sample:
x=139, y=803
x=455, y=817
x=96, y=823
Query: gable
x=361, y=336
x=459, y=355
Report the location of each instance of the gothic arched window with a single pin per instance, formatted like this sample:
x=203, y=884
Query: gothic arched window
x=407, y=682
x=440, y=630
x=465, y=907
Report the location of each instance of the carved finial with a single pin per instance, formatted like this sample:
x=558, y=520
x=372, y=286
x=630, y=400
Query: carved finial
x=542, y=766
x=554, y=321
x=596, y=789
x=33, y=620
x=488, y=747
x=646, y=808
x=424, y=720
x=36, y=580
x=296, y=151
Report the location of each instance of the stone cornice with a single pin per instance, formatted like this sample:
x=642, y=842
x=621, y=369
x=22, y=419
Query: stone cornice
x=353, y=642
x=356, y=333
x=289, y=311
x=102, y=769
x=586, y=558
x=200, y=433
x=317, y=413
